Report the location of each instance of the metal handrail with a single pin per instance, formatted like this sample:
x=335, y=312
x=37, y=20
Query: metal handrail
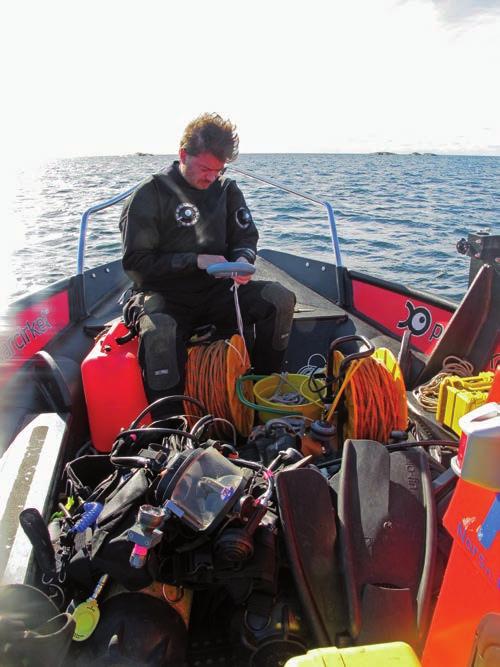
x=327, y=205
x=120, y=197
x=84, y=223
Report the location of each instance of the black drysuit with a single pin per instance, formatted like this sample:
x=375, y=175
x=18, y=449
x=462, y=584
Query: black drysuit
x=165, y=225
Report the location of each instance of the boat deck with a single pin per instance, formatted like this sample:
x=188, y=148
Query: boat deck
x=309, y=303
x=317, y=319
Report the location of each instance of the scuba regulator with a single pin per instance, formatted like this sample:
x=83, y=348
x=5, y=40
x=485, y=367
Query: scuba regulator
x=200, y=489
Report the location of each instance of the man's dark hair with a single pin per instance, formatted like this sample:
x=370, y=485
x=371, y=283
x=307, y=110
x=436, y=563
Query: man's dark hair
x=210, y=133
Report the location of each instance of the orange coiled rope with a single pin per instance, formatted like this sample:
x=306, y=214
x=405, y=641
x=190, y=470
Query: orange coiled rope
x=211, y=373
x=375, y=397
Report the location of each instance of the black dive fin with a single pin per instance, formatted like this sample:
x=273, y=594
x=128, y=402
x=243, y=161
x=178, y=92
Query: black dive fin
x=387, y=537
x=308, y=519
x=38, y=534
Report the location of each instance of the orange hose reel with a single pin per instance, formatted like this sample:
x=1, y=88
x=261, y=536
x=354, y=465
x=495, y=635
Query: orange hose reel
x=211, y=374
x=374, y=396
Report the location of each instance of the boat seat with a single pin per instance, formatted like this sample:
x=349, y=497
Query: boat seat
x=310, y=304
x=473, y=331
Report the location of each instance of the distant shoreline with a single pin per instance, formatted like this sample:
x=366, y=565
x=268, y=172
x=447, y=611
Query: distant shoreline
x=381, y=153
x=413, y=153
x=145, y=154
x=140, y=154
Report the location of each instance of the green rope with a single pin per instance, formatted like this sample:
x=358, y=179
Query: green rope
x=255, y=406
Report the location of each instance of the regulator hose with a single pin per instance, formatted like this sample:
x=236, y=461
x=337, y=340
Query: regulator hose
x=161, y=401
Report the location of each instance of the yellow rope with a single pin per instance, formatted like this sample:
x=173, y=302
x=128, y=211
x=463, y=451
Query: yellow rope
x=352, y=369
x=427, y=394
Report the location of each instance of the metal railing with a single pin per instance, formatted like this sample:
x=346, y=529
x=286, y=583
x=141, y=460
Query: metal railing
x=82, y=241
x=325, y=204
x=120, y=197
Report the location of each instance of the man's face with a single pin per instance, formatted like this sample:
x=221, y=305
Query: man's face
x=200, y=171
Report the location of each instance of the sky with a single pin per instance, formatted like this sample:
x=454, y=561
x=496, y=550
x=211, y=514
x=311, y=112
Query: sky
x=109, y=77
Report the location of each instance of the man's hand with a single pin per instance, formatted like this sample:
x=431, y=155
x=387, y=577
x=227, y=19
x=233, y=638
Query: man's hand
x=243, y=280
x=203, y=261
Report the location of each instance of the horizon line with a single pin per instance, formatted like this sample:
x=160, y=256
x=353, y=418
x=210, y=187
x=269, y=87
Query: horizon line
x=380, y=153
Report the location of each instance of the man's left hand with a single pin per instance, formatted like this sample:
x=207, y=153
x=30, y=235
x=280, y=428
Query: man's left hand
x=242, y=280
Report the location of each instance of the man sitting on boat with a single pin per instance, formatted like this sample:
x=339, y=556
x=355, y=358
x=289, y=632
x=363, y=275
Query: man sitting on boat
x=175, y=225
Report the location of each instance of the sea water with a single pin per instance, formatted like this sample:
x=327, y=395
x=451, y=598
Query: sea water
x=398, y=216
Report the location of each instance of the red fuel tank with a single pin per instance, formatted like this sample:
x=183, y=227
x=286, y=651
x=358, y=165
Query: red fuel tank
x=112, y=382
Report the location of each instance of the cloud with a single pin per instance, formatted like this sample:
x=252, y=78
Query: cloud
x=457, y=11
